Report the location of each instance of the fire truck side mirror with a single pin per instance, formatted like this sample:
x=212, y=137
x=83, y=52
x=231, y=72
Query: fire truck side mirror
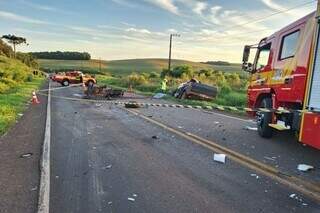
x=246, y=53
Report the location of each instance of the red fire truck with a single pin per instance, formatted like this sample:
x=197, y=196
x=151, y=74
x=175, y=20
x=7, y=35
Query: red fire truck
x=285, y=81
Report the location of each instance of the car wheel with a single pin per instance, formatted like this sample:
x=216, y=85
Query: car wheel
x=65, y=83
x=264, y=119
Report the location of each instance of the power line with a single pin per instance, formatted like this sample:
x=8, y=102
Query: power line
x=270, y=15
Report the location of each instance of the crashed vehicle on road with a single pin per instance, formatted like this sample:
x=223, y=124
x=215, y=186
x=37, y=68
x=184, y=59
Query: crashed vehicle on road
x=101, y=92
x=194, y=89
x=74, y=77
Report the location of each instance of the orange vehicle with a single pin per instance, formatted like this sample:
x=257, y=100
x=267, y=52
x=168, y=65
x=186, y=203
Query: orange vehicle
x=74, y=77
x=285, y=78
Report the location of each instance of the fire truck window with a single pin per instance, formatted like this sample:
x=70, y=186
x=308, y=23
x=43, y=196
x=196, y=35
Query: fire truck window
x=289, y=45
x=263, y=57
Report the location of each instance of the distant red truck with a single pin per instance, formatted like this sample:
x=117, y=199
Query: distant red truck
x=73, y=77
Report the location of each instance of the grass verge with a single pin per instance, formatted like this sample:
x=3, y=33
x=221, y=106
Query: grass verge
x=14, y=102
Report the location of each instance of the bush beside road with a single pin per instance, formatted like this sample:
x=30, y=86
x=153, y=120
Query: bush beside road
x=13, y=102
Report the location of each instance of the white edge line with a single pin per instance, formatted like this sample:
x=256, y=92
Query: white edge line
x=44, y=190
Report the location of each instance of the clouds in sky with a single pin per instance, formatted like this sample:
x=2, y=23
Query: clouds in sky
x=210, y=30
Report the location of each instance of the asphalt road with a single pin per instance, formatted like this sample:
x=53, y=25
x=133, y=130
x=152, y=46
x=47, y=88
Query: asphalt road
x=104, y=159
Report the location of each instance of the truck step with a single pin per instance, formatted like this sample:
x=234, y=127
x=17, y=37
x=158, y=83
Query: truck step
x=280, y=127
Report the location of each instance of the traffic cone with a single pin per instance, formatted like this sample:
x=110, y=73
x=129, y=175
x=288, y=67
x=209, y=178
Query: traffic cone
x=35, y=98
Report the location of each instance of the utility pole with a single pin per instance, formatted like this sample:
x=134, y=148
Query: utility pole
x=170, y=48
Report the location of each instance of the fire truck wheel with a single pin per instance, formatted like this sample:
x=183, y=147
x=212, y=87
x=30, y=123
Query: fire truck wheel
x=264, y=119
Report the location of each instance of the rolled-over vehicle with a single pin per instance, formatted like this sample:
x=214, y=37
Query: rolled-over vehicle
x=193, y=89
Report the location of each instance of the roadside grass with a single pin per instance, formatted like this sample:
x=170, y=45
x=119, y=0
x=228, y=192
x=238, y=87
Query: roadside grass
x=13, y=102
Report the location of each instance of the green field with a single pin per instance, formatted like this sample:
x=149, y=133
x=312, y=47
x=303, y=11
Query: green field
x=125, y=67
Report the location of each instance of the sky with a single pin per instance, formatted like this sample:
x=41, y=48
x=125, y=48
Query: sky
x=125, y=29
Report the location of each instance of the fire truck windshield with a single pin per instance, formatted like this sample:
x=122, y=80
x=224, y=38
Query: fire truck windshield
x=263, y=56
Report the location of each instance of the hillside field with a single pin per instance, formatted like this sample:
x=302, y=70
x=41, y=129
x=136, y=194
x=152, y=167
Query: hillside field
x=126, y=67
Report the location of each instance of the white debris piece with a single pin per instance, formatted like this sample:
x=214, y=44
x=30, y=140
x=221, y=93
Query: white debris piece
x=131, y=199
x=98, y=105
x=219, y=158
x=134, y=195
x=159, y=95
x=251, y=128
x=107, y=167
x=255, y=175
x=304, y=167
x=77, y=95
x=20, y=114
x=110, y=202
x=216, y=122
x=292, y=196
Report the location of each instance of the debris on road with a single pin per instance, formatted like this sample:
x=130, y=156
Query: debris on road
x=107, y=167
x=155, y=137
x=296, y=197
x=34, y=188
x=20, y=114
x=131, y=199
x=132, y=104
x=304, y=167
x=134, y=195
x=159, y=95
x=180, y=127
x=216, y=122
x=26, y=155
x=98, y=105
x=110, y=202
x=77, y=95
x=255, y=175
x=219, y=158
x=268, y=158
x=251, y=128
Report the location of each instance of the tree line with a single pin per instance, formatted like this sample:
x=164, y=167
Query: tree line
x=58, y=55
x=26, y=58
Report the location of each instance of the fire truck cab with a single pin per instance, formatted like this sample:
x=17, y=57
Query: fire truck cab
x=284, y=85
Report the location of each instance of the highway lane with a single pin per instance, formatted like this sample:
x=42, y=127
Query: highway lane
x=101, y=156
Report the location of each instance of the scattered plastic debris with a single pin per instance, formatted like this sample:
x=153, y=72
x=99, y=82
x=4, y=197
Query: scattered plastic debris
x=107, y=167
x=26, y=155
x=296, y=197
x=131, y=199
x=98, y=105
x=219, y=158
x=251, y=128
x=216, y=122
x=34, y=188
x=304, y=167
x=77, y=95
x=255, y=175
x=155, y=137
x=159, y=95
x=134, y=195
x=292, y=196
x=20, y=114
x=110, y=202
x=268, y=158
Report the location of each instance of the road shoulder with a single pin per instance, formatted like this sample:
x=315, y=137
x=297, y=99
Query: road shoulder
x=19, y=176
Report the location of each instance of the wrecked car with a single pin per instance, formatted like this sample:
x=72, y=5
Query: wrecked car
x=194, y=89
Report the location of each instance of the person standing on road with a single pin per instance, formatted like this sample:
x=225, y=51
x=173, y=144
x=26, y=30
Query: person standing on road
x=164, y=85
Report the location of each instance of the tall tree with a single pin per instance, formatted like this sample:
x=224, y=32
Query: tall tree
x=14, y=40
